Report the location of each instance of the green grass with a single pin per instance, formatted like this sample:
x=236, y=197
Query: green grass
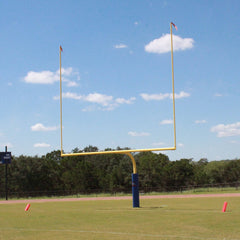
x=215, y=190
x=212, y=190
x=189, y=218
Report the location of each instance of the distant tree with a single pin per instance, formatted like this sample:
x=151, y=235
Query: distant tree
x=232, y=171
x=182, y=173
x=90, y=148
x=200, y=175
x=26, y=174
x=51, y=171
x=215, y=171
x=112, y=172
x=151, y=168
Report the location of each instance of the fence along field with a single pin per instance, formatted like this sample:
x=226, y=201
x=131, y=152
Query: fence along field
x=169, y=218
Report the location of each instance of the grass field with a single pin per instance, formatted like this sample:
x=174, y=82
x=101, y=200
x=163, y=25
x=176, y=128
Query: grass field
x=177, y=218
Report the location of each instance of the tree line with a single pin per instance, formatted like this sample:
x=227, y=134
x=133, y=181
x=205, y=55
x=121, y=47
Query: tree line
x=52, y=174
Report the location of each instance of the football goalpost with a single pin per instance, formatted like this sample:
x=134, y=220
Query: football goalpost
x=135, y=185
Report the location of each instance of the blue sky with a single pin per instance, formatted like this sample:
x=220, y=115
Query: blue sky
x=117, y=76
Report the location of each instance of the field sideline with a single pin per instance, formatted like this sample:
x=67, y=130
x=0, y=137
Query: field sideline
x=164, y=217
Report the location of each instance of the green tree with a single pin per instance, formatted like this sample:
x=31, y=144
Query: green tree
x=200, y=174
x=181, y=173
x=215, y=171
x=151, y=168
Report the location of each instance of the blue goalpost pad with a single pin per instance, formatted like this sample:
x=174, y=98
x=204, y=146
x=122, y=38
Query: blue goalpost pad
x=135, y=190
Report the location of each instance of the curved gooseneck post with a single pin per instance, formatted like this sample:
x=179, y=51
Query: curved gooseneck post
x=133, y=162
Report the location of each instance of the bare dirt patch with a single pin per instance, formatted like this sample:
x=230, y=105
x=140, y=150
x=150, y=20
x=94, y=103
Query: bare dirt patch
x=119, y=198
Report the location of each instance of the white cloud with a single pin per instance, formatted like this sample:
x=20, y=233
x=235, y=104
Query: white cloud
x=44, y=77
x=106, y=101
x=90, y=108
x=39, y=127
x=182, y=94
x=200, y=121
x=227, y=130
x=42, y=145
x=127, y=101
x=218, y=95
x=120, y=46
x=138, y=134
x=167, y=121
x=48, y=77
x=159, y=96
x=163, y=44
x=99, y=98
x=66, y=71
x=162, y=96
x=180, y=145
x=72, y=84
x=69, y=95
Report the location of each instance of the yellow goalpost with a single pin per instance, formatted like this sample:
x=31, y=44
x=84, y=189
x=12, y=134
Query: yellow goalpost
x=129, y=151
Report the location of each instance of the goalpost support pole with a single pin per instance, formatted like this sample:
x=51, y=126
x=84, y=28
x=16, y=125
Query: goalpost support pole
x=135, y=185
